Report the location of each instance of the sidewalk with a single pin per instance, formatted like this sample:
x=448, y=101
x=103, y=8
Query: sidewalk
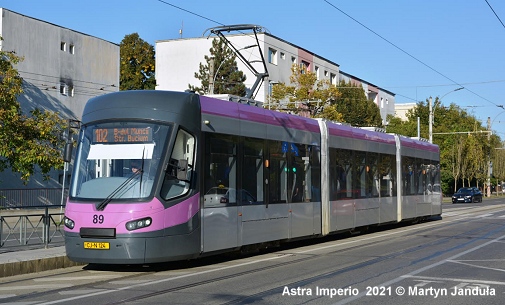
x=34, y=260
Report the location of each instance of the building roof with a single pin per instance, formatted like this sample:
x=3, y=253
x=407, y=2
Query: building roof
x=2, y=8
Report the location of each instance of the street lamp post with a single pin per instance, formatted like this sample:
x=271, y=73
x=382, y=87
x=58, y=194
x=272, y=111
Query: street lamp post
x=489, y=127
x=431, y=110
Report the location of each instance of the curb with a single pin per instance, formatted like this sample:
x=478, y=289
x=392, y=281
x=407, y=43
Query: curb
x=36, y=265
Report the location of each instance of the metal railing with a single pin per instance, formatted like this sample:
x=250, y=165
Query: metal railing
x=35, y=226
x=25, y=197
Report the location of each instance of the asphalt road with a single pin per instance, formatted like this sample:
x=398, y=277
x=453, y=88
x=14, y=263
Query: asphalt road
x=454, y=260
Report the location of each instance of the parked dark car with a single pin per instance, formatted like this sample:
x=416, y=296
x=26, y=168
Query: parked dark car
x=467, y=194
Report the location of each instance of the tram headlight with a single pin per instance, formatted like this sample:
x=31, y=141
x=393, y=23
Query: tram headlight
x=69, y=223
x=138, y=224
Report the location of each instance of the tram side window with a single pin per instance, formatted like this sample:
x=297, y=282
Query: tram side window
x=387, y=175
x=290, y=174
x=220, y=184
x=313, y=174
x=433, y=177
x=278, y=168
x=341, y=174
x=298, y=176
x=409, y=175
x=252, y=171
x=372, y=178
x=361, y=175
x=421, y=176
x=298, y=173
x=184, y=149
x=428, y=177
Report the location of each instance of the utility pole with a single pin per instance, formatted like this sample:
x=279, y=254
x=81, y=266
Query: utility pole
x=489, y=158
x=430, y=123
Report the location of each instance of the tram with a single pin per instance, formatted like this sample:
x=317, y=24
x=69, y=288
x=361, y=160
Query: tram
x=161, y=176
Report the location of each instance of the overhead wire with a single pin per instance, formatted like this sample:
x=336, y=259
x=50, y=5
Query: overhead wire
x=503, y=25
x=237, y=46
x=375, y=33
x=410, y=55
x=190, y=12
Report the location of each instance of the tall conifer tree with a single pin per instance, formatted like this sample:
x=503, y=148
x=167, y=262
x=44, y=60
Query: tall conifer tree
x=227, y=78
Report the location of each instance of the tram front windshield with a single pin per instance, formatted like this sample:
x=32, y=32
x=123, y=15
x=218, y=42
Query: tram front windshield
x=118, y=160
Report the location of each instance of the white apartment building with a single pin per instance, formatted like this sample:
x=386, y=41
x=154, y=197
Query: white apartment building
x=62, y=69
x=177, y=61
x=402, y=109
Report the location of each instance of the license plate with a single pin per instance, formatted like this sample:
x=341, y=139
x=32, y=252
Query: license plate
x=96, y=245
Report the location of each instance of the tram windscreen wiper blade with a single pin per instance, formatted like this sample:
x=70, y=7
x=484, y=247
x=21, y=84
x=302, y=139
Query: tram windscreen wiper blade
x=101, y=206
x=105, y=202
x=142, y=170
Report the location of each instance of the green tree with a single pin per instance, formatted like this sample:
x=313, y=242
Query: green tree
x=499, y=164
x=355, y=107
x=26, y=141
x=465, y=146
x=137, y=61
x=306, y=93
x=228, y=78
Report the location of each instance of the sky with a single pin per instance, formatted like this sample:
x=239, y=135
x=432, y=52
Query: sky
x=413, y=48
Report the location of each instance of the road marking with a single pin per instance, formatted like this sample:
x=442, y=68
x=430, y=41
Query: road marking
x=414, y=228
x=76, y=278
x=22, y=303
x=415, y=272
x=417, y=227
x=79, y=291
x=476, y=266
x=448, y=279
x=484, y=215
x=158, y=281
x=129, y=282
x=46, y=286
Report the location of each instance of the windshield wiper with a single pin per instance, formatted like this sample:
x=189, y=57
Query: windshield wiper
x=101, y=206
x=142, y=170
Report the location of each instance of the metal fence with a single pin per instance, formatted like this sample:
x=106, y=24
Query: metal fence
x=16, y=198
x=35, y=226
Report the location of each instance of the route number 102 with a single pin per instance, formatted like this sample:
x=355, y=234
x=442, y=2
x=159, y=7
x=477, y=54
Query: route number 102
x=101, y=135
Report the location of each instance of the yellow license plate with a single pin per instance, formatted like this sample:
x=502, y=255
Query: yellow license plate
x=96, y=245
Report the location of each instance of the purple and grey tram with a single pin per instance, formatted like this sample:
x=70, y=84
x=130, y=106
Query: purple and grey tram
x=161, y=176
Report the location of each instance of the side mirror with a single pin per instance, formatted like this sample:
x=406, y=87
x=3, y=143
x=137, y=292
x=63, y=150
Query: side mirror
x=182, y=170
x=67, y=153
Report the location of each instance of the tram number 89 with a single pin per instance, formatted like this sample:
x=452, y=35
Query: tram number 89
x=98, y=219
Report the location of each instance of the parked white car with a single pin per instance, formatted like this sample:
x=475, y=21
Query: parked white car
x=223, y=195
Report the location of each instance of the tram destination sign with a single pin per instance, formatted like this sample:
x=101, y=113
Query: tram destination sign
x=123, y=135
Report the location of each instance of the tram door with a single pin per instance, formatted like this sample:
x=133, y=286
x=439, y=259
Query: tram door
x=254, y=193
x=264, y=176
x=222, y=196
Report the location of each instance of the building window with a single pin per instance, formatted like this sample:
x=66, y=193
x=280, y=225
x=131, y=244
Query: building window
x=63, y=46
x=317, y=72
x=272, y=56
x=63, y=89
x=326, y=74
x=382, y=102
x=304, y=67
x=283, y=56
x=70, y=91
x=71, y=49
x=293, y=60
x=333, y=79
